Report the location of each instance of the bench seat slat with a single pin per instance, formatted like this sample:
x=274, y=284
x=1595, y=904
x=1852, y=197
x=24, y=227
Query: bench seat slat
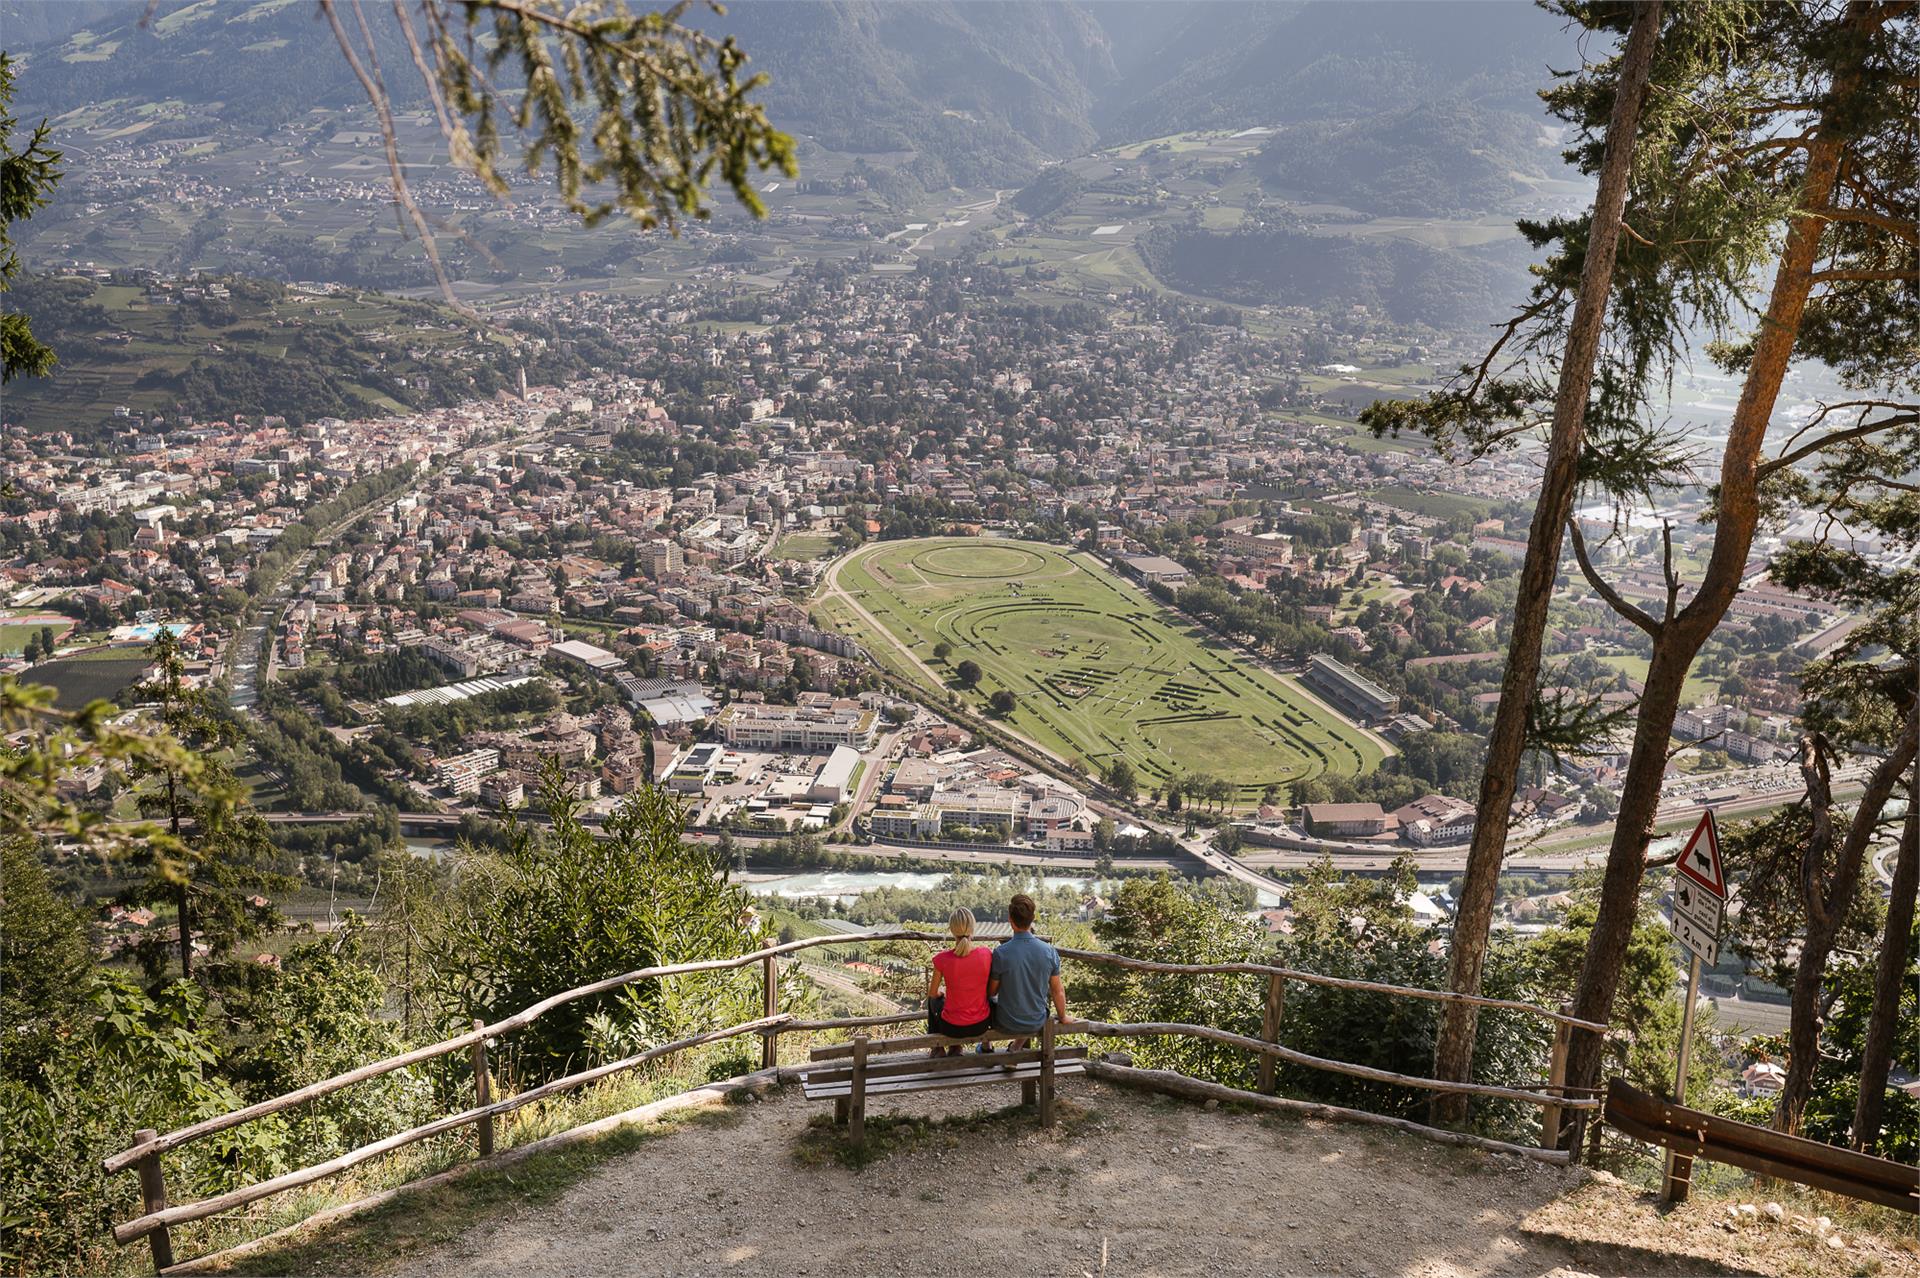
x=834, y=1087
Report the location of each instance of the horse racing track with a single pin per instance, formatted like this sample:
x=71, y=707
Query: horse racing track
x=1098, y=670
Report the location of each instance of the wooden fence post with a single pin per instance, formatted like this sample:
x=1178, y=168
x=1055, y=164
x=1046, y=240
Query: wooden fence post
x=769, y=1006
x=153, y=1191
x=482, y=1090
x=1270, y=1026
x=1046, y=1073
x=1556, y=1081
x=857, y=1097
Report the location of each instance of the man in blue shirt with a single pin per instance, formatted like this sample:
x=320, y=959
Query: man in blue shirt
x=1025, y=977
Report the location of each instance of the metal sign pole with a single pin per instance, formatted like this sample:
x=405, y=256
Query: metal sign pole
x=1680, y=1166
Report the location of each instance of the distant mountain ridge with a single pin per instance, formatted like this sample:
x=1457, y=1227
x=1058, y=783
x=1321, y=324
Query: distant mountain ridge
x=983, y=93
x=1231, y=63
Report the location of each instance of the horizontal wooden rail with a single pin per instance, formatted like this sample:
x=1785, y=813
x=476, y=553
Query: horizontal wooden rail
x=143, y=1225
x=1162, y=1029
x=848, y=1022
x=1175, y=1084
x=519, y=1020
x=1761, y=1149
x=1156, y=1029
x=159, y=1217
x=526, y=1016
x=1336, y=982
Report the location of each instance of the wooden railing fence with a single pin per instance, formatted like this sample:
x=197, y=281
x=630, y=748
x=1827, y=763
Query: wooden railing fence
x=1553, y=1097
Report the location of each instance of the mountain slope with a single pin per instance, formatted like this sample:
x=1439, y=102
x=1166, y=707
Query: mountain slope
x=978, y=93
x=261, y=348
x=986, y=92
x=24, y=23
x=1408, y=282
x=1392, y=109
x=1236, y=62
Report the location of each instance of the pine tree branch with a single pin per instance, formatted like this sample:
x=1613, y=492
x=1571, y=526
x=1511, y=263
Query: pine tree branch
x=1902, y=228
x=1527, y=313
x=1605, y=590
x=1906, y=273
x=1671, y=577
x=396, y=171
x=1861, y=430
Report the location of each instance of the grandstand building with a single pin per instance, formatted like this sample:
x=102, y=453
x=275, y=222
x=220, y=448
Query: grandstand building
x=1349, y=690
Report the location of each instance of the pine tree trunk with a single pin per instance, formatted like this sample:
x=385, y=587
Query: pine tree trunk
x=1681, y=636
x=1620, y=884
x=1889, y=984
x=1828, y=899
x=1473, y=917
x=183, y=902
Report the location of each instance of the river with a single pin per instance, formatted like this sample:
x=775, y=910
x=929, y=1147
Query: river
x=845, y=885
x=839, y=885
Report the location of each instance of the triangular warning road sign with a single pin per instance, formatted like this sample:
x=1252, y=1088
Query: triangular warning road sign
x=1700, y=860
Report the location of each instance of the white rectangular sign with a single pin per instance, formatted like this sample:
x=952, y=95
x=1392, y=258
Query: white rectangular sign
x=1697, y=939
x=1703, y=909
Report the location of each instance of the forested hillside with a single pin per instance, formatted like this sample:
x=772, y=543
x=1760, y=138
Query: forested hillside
x=1410, y=282
x=1446, y=158
x=1421, y=110
x=262, y=349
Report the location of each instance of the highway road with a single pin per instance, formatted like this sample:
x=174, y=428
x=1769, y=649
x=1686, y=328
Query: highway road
x=1233, y=867
x=870, y=778
x=1260, y=868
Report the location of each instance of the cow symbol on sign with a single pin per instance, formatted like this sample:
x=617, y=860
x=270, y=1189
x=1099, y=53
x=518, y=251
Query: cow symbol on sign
x=1700, y=859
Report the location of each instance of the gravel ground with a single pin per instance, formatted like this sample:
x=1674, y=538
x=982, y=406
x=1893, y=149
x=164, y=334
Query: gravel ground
x=1128, y=1184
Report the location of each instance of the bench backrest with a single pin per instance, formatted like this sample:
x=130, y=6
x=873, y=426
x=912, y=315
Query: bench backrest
x=917, y=1043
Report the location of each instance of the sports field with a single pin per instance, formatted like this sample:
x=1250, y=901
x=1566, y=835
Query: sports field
x=1097, y=668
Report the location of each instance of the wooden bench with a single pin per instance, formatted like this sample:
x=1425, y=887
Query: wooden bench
x=848, y=1073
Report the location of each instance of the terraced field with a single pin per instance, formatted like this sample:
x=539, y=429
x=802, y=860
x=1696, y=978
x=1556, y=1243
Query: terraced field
x=1098, y=669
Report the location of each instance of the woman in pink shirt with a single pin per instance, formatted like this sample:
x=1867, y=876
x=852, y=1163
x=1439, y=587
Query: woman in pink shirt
x=957, y=993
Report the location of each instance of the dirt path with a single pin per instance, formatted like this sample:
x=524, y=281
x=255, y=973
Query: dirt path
x=1130, y=1184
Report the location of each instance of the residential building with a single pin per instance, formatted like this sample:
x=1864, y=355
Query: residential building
x=1435, y=818
x=814, y=729
x=462, y=773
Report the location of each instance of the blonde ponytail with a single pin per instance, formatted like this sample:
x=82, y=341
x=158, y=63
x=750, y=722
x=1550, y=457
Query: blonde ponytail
x=960, y=923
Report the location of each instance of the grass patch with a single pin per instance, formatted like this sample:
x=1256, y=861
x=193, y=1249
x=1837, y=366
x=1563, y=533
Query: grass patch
x=1432, y=504
x=1697, y=690
x=77, y=680
x=1359, y=439
x=15, y=635
x=805, y=545
x=821, y=1143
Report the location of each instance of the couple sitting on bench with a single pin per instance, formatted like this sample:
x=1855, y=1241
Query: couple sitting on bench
x=974, y=989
